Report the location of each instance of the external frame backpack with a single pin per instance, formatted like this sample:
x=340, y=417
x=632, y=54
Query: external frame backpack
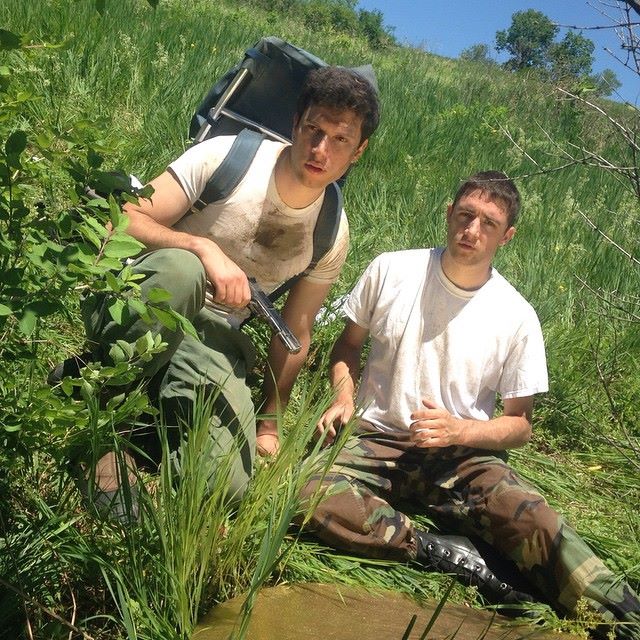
x=257, y=99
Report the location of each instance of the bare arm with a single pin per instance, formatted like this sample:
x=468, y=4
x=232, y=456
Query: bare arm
x=344, y=371
x=436, y=427
x=150, y=222
x=299, y=312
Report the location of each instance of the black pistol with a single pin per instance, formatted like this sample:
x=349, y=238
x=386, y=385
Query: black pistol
x=260, y=305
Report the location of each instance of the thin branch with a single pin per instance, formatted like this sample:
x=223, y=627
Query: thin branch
x=629, y=314
x=607, y=238
x=597, y=27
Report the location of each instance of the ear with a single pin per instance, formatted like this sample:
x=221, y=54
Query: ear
x=508, y=234
x=294, y=130
x=359, y=151
x=449, y=211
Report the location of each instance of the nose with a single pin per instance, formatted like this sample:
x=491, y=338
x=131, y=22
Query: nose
x=473, y=228
x=320, y=142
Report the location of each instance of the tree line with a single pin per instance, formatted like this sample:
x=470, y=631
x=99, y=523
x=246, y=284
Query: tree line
x=532, y=43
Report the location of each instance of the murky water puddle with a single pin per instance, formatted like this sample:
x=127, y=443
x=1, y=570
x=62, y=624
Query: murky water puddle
x=331, y=612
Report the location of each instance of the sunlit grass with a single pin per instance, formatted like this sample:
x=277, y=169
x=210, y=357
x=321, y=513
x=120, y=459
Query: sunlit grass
x=130, y=80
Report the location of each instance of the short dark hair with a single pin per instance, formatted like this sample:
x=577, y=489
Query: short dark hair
x=341, y=88
x=498, y=186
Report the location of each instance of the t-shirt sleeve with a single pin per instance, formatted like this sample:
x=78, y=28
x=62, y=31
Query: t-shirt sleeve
x=329, y=266
x=196, y=165
x=525, y=371
x=363, y=299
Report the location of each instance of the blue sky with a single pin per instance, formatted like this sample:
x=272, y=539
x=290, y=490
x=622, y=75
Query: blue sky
x=446, y=28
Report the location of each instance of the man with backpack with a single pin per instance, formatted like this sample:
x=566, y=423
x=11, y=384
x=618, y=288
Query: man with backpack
x=263, y=230
x=448, y=333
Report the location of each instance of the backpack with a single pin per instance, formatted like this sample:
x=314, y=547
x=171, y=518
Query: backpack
x=257, y=99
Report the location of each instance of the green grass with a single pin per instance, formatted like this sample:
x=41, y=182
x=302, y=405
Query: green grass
x=128, y=82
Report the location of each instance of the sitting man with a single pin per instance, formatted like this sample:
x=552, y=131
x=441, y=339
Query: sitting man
x=263, y=230
x=448, y=332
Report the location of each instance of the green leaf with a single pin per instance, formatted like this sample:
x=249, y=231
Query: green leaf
x=94, y=159
x=156, y=295
x=67, y=386
x=116, y=354
x=112, y=281
x=4, y=310
x=144, y=343
x=28, y=323
x=165, y=317
x=111, y=264
x=16, y=143
x=100, y=6
x=91, y=235
x=119, y=221
x=9, y=40
x=98, y=227
x=188, y=328
x=127, y=348
x=116, y=310
x=42, y=308
x=137, y=306
x=121, y=246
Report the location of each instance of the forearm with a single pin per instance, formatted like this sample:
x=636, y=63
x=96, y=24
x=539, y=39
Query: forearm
x=155, y=235
x=344, y=369
x=281, y=373
x=497, y=434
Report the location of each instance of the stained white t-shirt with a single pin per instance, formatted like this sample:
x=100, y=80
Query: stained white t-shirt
x=431, y=339
x=266, y=238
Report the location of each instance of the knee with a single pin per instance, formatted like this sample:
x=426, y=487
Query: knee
x=315, y=498
x=179, y=272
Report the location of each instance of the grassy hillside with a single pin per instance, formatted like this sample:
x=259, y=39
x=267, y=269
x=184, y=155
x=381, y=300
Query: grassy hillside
x=123, y=86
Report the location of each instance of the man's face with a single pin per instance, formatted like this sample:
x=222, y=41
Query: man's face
x=325, y=142
x=476, y=228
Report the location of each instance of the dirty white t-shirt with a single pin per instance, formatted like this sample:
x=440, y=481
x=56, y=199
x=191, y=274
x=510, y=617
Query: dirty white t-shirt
x=267, y=239
x=431, y=339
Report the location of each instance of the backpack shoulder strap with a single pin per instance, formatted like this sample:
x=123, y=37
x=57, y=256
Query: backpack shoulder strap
x=324, y=235
x=326, y=229
x=232, y=168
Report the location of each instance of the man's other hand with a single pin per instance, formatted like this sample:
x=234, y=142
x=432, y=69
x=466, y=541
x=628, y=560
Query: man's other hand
x=333, y=419
x=434, y=426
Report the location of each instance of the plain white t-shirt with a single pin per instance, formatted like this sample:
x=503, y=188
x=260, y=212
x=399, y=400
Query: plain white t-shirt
x=431, y=339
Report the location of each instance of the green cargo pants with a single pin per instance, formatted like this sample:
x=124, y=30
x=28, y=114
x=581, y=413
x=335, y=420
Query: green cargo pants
x=468, y=493
x=217, y=364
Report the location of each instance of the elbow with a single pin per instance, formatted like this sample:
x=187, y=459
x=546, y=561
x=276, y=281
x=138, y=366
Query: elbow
x=525, y=434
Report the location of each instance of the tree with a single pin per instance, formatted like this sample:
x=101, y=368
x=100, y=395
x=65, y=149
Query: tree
x=477, y=53
x=605, y=83
x=571, y=58
x=527, y=40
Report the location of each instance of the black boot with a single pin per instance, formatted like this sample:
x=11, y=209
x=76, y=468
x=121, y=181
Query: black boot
x=457, y=555
x=70, y=367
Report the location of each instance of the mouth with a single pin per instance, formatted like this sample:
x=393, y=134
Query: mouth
x=313, y=168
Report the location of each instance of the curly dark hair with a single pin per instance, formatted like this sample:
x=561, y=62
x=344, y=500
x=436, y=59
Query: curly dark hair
x=498, y=186
x=342, y=88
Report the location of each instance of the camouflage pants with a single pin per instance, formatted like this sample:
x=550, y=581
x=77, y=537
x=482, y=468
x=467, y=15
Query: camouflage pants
x=467, y=492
